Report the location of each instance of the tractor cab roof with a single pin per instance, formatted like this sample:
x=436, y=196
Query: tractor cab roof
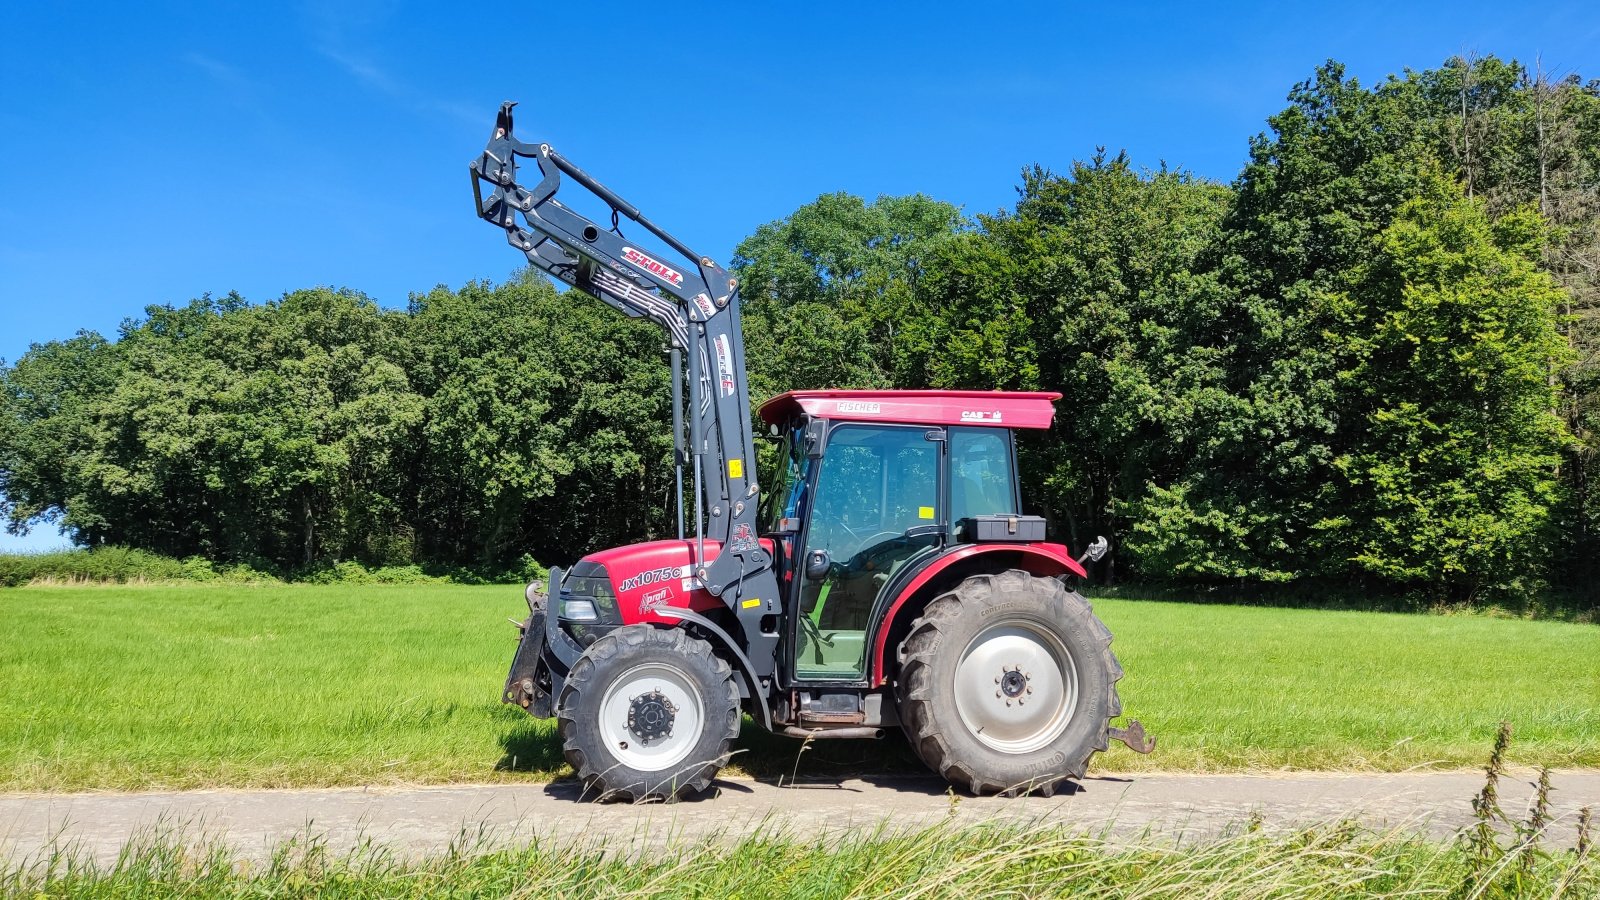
x=1000, y=409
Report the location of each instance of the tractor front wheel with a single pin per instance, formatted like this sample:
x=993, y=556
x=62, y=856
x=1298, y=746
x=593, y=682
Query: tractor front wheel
x=648, y=713
x=1008, y=684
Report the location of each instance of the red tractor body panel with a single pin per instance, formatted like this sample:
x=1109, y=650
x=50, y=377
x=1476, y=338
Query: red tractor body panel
x=1039, y=558
x=648, y=576
x=1001, y=409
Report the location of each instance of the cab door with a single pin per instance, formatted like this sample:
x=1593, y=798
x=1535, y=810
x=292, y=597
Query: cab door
x=876, y=504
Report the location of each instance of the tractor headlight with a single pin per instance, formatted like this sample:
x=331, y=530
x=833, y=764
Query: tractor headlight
x=586, y=596
x=575, y=610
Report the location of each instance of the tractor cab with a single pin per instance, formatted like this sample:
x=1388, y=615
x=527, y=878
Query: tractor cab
x=868, y=488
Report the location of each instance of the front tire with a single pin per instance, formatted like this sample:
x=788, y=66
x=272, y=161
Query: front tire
x=1008, y=684
x=648, y=713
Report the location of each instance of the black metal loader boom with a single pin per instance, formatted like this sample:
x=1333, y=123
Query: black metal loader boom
x=697, y=303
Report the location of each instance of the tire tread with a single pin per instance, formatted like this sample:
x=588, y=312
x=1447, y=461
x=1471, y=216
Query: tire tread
x=673, y=641
x=918, y=690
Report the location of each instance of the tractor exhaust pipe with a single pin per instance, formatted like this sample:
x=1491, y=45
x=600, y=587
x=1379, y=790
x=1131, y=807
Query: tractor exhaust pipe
x=860, y=731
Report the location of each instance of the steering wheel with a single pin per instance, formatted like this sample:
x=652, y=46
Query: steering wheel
x=870, y=548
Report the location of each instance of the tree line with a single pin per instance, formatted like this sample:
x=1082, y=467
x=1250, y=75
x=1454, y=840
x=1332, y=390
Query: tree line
x=1372, y=359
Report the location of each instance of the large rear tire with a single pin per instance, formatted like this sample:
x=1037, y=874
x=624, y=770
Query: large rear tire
x=648, y=714
x=1008, y=684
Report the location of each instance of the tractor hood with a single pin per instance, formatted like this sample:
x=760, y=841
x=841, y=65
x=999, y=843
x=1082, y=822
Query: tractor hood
x=645, y=577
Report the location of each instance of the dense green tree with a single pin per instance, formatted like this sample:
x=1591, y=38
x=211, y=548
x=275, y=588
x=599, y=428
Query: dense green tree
x=491, y=447
x=1449, y=344
x=46, y=403
x=273, y=432
x=544, y=410
x=826, y=290
x=1084, y=289
x=1519, y=137
x=280, y=430
x=1315, y=195
x=1389, y=357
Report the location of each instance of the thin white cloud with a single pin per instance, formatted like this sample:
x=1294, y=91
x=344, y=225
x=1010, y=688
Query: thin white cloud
x=333, y=29
x=218, y=70
x=365, y=71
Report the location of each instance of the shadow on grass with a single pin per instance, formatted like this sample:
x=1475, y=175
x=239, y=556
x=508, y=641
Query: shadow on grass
x=531, y=747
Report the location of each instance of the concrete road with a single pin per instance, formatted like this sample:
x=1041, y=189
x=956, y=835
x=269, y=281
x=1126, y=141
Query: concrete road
x=426, y=820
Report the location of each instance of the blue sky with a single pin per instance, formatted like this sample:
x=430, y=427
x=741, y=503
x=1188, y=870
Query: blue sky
x=150, y=153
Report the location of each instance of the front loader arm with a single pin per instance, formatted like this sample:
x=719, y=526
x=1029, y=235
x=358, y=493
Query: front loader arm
x=697, y=303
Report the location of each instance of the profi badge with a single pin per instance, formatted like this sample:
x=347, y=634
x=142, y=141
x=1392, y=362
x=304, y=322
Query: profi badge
x=655, y=267
x=655, y=600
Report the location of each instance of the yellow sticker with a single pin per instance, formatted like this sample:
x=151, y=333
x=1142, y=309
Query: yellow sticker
x=924, y=512
x=735, y=468
x=752, y=603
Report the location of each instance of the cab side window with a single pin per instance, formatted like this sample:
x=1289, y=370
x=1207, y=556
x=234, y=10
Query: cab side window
x=981, y=479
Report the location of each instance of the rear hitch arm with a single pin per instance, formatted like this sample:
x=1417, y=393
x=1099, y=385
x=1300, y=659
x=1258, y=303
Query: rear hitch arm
x=1134, y=737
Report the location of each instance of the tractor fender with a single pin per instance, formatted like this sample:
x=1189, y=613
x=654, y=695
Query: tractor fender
x=746, y=669
x=1039, y=559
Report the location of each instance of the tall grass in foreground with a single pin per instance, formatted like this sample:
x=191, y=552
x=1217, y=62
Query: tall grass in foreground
x=1336, y=860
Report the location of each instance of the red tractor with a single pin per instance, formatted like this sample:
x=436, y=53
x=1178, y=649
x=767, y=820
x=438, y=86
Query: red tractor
x=887, y=578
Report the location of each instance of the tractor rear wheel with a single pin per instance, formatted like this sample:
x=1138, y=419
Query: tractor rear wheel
x=648, y=713
x=1008, y=684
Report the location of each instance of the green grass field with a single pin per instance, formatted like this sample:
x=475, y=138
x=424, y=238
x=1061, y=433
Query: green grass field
x=278, y=685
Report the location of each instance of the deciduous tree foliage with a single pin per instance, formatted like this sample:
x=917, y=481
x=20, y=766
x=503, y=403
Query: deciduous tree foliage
x=1373, y=358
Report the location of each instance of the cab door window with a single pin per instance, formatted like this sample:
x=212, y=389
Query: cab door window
x=877, y=483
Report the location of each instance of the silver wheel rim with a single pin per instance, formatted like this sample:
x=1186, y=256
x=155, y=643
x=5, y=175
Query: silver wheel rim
x=1016, y=687
x=662, y=752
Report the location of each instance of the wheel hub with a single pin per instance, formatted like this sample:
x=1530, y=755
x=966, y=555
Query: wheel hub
x=1012, y=681
x=651, y=715
x=1016, y=686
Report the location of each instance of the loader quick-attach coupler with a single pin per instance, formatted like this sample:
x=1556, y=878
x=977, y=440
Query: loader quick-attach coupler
x=528, y=684
x=544, y=656
x=1134, y=737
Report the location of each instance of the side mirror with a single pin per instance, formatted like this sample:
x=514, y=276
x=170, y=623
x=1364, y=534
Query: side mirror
x=1096, y=550
x=817, y=565
x=815, y=429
